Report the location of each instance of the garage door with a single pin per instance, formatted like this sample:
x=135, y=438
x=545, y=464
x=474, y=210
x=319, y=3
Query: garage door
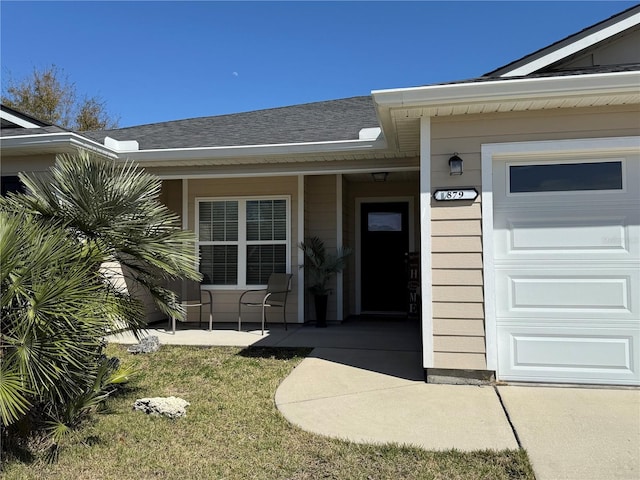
x=567, y=268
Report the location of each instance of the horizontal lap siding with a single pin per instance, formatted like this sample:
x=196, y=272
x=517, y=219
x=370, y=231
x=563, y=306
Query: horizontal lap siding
x=226, y=301
x=27, y=163
x=458, y=323
x=458, y=303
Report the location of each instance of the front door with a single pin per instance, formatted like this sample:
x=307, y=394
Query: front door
x=384, y=241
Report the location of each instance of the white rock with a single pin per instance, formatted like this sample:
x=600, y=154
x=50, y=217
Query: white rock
x=172, y=407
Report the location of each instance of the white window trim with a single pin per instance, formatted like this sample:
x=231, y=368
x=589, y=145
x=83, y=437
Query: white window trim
x=547, y=149
x=242, y=234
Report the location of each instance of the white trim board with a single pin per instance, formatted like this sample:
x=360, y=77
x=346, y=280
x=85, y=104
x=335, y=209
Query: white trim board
x=556, y=149
x=16, y=120
x=426, y=275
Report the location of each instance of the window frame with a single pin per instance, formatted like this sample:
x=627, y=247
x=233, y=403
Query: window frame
x=242, y=241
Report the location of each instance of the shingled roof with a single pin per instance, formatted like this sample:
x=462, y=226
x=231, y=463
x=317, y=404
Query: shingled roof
x=332, y=120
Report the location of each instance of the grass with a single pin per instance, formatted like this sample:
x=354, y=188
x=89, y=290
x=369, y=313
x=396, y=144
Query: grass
x=234, y=431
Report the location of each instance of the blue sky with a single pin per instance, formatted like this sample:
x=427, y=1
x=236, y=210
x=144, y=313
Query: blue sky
x=158, y=61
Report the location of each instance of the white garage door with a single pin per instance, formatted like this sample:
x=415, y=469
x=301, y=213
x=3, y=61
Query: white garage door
x=567, y=268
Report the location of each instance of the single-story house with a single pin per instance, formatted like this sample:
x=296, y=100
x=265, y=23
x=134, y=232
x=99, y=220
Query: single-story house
x=520, y=190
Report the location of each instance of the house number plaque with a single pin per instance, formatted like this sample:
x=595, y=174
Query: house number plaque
x=459, y=194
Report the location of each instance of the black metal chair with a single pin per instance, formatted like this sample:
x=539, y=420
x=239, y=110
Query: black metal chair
x=275, y=295
x=191, y=294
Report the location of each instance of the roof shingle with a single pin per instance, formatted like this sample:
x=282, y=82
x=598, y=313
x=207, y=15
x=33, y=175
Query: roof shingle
x=332, y=120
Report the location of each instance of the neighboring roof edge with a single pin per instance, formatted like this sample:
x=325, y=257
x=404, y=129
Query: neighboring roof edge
x=570, y=45
x=21, y=119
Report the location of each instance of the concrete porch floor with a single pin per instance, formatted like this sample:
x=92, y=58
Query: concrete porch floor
x=359, y=333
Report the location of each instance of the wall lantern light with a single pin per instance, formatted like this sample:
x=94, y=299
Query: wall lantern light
x=380, y=176
x=455, y=165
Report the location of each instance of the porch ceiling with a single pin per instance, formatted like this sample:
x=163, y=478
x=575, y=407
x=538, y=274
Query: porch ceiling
x=393, y=177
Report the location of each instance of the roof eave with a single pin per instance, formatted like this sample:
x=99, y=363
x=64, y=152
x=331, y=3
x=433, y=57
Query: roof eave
x=491, y=92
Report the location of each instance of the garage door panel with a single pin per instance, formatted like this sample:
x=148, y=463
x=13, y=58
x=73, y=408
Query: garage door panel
x=570, y=294
x=568, y=354
x=608, y=236
x=585, y=294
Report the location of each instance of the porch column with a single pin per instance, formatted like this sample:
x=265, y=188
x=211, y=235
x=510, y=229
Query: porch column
x=339, y=277
x=425, y=242
x=300, y=273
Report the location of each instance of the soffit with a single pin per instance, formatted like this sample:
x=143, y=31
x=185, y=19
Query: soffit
x=405, y=121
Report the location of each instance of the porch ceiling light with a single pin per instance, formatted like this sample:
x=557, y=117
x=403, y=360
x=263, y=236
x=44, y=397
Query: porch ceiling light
x=380, y=176
x=455, y=165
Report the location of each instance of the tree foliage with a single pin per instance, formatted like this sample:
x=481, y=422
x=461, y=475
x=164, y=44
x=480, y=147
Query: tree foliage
x=48, y=95
x=63, y=246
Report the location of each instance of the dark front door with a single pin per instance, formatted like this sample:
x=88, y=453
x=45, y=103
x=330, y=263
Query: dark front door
x=384, y=241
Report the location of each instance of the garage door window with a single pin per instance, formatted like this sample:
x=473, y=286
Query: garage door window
x=563, y=177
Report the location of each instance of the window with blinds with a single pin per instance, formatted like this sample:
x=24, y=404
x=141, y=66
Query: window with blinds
x=242, y=241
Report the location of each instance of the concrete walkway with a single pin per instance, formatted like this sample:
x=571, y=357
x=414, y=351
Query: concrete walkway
x=378, y=396
x=363, y=382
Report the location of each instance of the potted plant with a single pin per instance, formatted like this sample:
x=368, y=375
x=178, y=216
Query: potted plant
x=321, y=268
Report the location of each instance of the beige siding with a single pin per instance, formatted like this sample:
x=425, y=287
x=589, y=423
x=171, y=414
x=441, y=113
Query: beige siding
x=463, y=361
x=12, y=165
x=458, y=327
x=171, y=195
x=448, y=276
x=226, y=301
x=458, y=307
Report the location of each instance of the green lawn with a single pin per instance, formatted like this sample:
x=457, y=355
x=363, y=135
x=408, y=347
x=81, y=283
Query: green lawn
x=234, y=431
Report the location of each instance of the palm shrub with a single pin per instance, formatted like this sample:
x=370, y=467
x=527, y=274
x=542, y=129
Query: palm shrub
x=54, y=311
x=113, y=210
x=58, y=241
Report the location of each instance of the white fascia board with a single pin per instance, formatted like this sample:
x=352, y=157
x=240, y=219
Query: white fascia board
x=176, y=154
x=505, y=90
x=21, y=122
x=53, y=141
x=575, y=47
